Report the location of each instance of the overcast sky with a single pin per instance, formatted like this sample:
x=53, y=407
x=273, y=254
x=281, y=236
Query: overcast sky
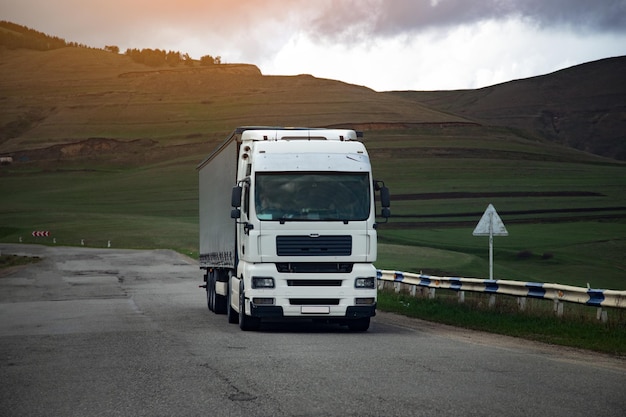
x=382, y=44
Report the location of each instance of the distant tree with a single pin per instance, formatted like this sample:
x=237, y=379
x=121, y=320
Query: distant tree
x=134, y=54
x=112, y=48
x=154, y=57
x=188, y=60
x=209, y=60
x=15, y=36
x=173, y=58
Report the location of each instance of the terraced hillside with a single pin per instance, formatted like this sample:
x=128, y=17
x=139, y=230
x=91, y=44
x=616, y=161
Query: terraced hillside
x=100, y=149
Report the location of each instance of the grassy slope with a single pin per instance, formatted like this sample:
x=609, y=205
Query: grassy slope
x=584, y=246
x=146, y=195
x=73, y=94
x=581, y=106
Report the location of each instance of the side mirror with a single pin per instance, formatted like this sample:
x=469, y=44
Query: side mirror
x=235, y=197
x=235, y=213
x=385, y=198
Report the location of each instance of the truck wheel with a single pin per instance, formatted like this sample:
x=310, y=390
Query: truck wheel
x=246, y=322
x=359, y=325
x=219, y=301
x=210, y=291
x=233, y=317
x=220, y=304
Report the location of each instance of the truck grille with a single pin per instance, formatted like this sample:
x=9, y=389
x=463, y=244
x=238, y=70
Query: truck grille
x=314, y=283
x=313, y=267
x=314, y=246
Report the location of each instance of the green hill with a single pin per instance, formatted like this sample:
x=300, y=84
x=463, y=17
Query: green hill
x=71, y=94
x=99, y=148
x=582, y=106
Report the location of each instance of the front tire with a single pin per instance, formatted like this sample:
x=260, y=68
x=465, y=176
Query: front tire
x=233, y=317
x=246, y=322
x=359, y=325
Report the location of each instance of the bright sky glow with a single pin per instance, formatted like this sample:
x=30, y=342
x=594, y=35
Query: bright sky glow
x=381, y=44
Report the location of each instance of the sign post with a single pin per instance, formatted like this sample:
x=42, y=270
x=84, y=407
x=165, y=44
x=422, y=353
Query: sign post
x=490, y=225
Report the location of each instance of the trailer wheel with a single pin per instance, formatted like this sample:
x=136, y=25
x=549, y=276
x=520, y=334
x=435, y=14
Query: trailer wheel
x=246, y=322
x=219, y=301
x=210, y=291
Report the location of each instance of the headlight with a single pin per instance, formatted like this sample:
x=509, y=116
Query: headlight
x=369, y=282
x=262, y=282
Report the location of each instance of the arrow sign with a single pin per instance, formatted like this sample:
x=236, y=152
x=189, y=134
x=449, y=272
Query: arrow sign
x=490, y=224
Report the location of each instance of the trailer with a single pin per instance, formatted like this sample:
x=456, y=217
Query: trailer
x=287, y=222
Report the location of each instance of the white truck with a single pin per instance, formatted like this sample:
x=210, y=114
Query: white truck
x=303, y=239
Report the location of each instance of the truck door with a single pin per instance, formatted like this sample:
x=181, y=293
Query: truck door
x=245, y=226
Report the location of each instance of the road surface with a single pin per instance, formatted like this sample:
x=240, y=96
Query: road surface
x=108, y=332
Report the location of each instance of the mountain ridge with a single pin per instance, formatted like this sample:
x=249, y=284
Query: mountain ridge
x=70, y=93
x=583, y=106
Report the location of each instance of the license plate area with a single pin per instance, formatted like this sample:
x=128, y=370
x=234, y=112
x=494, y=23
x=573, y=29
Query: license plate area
x=315, y=309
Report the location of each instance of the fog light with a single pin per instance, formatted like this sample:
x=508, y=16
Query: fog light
x=364, y=301
x=262, y=301
x=369, y=282
x=262, y=282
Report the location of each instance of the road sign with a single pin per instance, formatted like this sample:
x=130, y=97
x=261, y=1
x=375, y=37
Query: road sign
x=41, y=233
x=490, y=224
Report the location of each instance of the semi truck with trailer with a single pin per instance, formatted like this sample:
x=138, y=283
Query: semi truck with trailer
x=288, y=220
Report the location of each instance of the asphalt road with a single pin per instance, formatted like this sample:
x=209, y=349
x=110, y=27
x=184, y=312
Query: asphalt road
x=107, y=332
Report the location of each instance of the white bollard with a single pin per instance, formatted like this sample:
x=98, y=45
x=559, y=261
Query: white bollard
x=109, y=244
x=82, y=242
x=54, y=240
x=558, y=308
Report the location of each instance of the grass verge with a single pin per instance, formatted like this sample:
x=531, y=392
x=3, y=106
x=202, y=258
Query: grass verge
x=577, y=330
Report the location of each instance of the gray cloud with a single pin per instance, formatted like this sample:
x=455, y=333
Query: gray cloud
x=392, y=17
x=274, y=21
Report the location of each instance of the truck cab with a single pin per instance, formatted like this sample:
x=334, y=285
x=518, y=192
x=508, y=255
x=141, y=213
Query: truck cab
x=305, y=228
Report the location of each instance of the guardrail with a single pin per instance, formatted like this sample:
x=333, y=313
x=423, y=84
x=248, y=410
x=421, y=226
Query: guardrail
x=555, y=292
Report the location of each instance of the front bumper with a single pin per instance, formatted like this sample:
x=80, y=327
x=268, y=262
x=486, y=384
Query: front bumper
x=277, y=312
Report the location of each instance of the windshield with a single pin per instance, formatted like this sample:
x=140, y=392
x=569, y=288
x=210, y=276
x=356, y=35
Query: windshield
x=312, y=196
